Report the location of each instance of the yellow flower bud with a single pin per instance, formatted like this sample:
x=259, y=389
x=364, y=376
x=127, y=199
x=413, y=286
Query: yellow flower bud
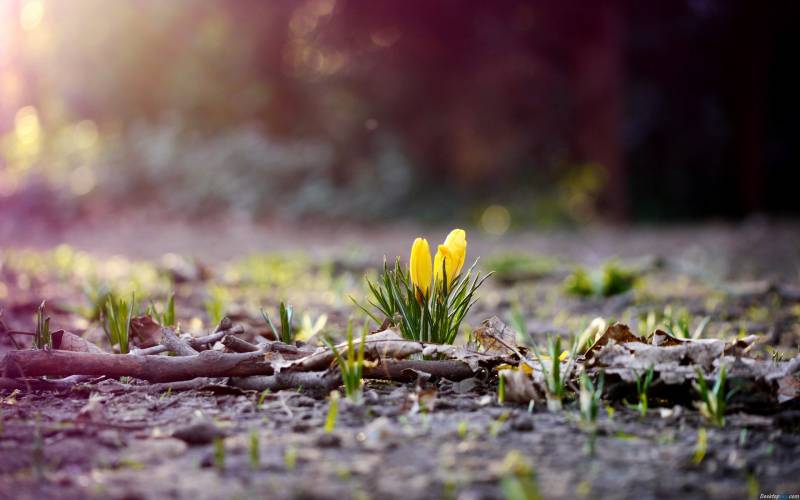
x=419, y=265
x=452, y=253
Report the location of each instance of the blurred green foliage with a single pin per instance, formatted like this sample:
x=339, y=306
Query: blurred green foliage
x=611, y=279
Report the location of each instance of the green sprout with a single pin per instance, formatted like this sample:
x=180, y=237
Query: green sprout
x=435, y=317
x=290, y=457
x=555, y=380
x=713, y=402
x=263, y=396
x=589, y=398
x=166, y=318
x=700, y=447
x=496, y=425
x=678, y=323
x=518, y=478
x=219, y=453
x=351, y=365
x=643, y=384
x=611, y=279
x=501, y=389
x=333, y=411
x=286, y=333
x=462, y=429
x=42, y=338
x=254, y=452
x=117, y=324
x=216, y=304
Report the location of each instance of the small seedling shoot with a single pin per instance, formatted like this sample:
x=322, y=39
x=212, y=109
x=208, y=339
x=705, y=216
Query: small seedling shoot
x=286, y=333
x=555, y=379
x=117, y=324
x=351, y=363
x=643, y=383
x=42, y=338
x=714, y=400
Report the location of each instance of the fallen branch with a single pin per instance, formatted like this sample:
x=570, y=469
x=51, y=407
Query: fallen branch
x=405, y=370
x=35, y=363
x=325, y=381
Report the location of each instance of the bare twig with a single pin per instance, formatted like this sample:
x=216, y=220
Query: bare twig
x=236, y=344
x=176, y=345
x=196, y=343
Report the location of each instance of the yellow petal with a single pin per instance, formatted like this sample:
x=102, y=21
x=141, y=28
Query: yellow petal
x=419, y=265
x=444, y=260
x=456, y=243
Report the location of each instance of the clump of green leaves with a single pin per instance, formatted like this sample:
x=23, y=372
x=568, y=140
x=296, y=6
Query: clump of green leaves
x=611, y=279
x=515, y=266
x=555, y=380
x=678, y=323
x=117, y=321
x=352, y=363
x=167, y=317
x=713, y=401
x=42, y=338
x=643, y=383
x=286, y=332
x=216, y=304
x=434, y=318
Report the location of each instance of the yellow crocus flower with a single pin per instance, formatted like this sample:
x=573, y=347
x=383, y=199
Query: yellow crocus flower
x=419, y=265
x=452, y=253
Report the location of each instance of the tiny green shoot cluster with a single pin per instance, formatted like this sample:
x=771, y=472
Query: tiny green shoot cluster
x=351, y=364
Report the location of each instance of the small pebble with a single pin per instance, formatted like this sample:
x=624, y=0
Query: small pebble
x=523, y=423
x=198, y=433
x=329, y=441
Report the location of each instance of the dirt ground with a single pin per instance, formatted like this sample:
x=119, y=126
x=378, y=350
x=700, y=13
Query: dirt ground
x=441, y=440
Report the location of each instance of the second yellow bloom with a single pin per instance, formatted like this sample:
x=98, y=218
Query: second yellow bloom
x=449, y=260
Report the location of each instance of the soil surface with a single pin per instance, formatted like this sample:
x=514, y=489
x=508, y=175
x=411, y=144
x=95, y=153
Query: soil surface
x=440, y=439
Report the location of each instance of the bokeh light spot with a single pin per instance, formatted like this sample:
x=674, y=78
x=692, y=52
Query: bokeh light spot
x=26, y=125
x=496, y=220
x=31, y=14
x=82, y=180
x=85, y=134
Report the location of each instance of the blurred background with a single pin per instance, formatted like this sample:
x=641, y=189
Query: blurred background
x=505, y=114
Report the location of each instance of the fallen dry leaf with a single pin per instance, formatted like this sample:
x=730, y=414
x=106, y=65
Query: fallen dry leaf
x=66, y=341
x=146, y=331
